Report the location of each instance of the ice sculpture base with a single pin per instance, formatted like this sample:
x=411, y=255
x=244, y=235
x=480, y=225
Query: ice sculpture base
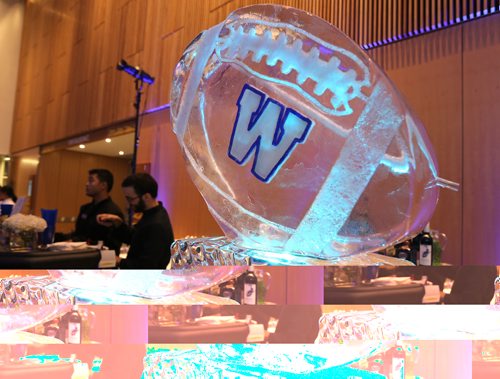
x=35, y=299
x=22, y=338
x=220, y=251
x=260, y=361
x=411, y=322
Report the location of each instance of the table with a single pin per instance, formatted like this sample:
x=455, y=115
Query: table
x=87, y=258
x=234, y=332
x=481, y=369
x=23, y=370
x=412, y=293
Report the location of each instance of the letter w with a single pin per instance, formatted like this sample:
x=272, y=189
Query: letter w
x=267, y=128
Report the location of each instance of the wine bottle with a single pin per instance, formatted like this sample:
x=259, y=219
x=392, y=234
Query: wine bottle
x=227, y=290
x=390, y=251
x=63, y=327
x=403, y=251
x=238, y=289
x=52, y=329
x=425, y=247
x=75, y=326
x=249, y=295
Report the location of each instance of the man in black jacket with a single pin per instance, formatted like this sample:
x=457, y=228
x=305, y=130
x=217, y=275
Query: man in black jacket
x=151, y=237
x=98, y=187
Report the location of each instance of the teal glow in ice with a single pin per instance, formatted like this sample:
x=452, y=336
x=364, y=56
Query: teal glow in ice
x=46, y=358
x=354, y=173
x=350, y=175
x=247, y=361
x=138, y=286
x=269, y=39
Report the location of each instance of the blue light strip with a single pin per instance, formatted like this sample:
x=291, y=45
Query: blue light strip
x=439, y=26
x=156, y=109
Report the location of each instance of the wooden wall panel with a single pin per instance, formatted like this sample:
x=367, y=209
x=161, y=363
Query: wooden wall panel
x=24, y=170
x=173, y=44
x=481, y=152
x=152, y=40
x=124, y=95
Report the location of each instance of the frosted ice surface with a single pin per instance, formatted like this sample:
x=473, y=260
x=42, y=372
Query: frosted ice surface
x=297, y=140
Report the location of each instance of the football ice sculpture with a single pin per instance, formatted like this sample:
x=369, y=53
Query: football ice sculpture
x=297, y=140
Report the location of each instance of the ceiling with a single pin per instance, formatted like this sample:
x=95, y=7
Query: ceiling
x=124, y=142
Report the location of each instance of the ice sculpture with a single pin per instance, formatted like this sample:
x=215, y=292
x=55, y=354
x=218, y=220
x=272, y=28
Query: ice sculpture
x=143, y=286
x=21, y=317
x=411, y=322
x=26, y=302
x=343, y=326
x=261, y=361
x=297, y=140
x=57, y=292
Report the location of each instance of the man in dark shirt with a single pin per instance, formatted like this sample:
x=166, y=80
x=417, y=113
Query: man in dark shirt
x=151, y=237
x=99, y=184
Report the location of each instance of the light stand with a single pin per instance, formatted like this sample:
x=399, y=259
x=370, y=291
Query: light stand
x=141, y=77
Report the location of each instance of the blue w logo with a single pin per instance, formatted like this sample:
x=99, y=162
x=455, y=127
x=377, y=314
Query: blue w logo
x=267, y=128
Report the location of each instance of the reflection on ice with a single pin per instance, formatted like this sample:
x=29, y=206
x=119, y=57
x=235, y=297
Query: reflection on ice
x=269, y=361
x=214, y=251
x=412, y=322
x=148, y=284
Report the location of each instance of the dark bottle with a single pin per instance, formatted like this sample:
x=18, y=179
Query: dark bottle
x=52, y=329
x=228, y=290
x=413, y=253
x=425, y=247
x=63, y=327
x=238, y=289
x=390, y=251
x=249, y=294
x=74, y=327
x=404, y=251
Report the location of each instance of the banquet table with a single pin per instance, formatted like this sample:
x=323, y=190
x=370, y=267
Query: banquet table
x=231, y=332
x=410, y=293
x=85, y=258
x=23, y=370
x=482, y=369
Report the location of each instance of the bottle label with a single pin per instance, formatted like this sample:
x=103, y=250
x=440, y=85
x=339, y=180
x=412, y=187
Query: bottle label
x=74, y=332
x=249, y=294
x=425, y=255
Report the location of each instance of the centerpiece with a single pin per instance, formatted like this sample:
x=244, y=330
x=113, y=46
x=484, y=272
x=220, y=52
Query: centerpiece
x=23, y=231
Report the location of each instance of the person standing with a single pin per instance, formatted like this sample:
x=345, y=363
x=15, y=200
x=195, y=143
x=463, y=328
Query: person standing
x=98, y=187
x=7, y=195
x=151, y=237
